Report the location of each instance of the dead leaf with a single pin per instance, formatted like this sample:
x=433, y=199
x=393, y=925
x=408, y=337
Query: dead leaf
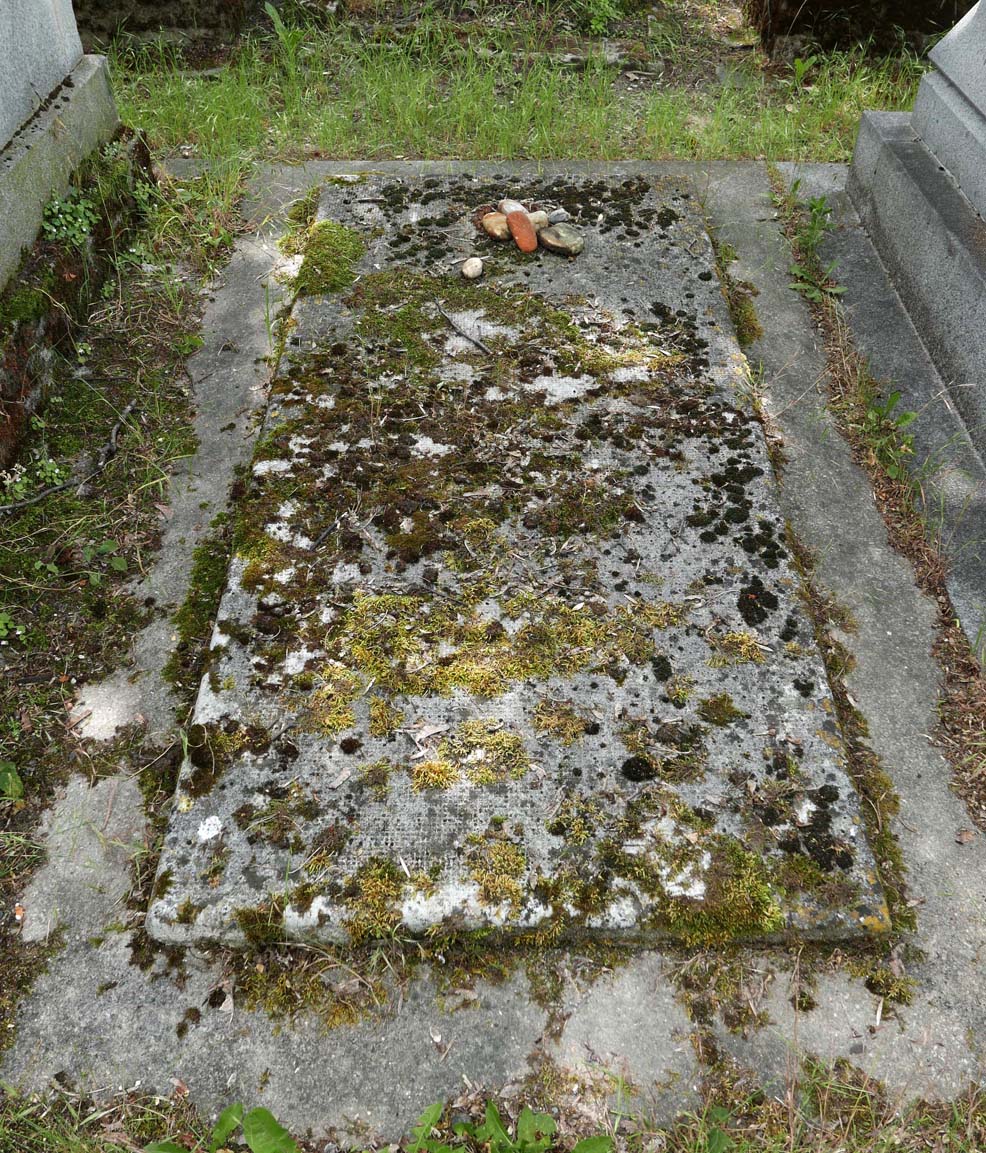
x=964, y=836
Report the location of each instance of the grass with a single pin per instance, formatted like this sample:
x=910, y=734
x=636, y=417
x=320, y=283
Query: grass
x=828, y=1108
x=443, y=88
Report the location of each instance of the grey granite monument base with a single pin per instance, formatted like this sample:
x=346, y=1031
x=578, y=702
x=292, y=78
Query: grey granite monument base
x=919, y=185
x=36, y=164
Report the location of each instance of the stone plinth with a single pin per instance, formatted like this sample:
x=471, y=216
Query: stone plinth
x=39, y=46
x=949, y=113
x=55, y=108
x=919, y=184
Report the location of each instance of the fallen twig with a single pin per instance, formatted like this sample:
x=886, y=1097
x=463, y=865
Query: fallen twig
x=462, y=332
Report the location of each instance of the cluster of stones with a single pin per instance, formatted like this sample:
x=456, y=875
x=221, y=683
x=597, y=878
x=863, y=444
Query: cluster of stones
x=529, y=228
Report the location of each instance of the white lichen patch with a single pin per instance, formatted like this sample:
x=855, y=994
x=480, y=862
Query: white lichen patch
x=558, y=389
x=209, y=829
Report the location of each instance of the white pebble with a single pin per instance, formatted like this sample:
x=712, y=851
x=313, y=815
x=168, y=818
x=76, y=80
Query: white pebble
x=472, y=268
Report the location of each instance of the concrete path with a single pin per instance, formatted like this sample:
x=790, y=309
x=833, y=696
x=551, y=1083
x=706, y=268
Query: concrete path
x=103, y=1022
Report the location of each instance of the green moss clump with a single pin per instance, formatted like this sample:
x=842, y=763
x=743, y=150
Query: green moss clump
x=376, y=777
x=332, y=252
x=497, y=866
x=576, y=820
x=330, y=706
x=187, y=912
x=212, y=749
x=278, y=822
x=372, y=899
x=193, y=621
x=735, y=648
x=739, y=900
x=486, y=752
x=719, y=710
x=385, y=718
x=560, y=721
x=435, y=773
x=680, y=688
x=263, y=924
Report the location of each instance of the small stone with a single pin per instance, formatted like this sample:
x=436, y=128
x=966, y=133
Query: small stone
x=495, y=225
x=563, y=239
x=507, y=206
x=472, y=269
x=539, y=219
x=521, y=229
x=559, y=216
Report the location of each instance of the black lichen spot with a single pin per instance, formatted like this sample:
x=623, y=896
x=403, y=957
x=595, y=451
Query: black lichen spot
x=350, y=745
x=639, y=769
x=755, y=602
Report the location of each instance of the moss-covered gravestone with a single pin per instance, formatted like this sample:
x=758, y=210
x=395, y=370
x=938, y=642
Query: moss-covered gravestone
x=512, y=638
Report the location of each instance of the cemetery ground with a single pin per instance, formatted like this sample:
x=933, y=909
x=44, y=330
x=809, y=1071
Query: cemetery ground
x=788, y=1015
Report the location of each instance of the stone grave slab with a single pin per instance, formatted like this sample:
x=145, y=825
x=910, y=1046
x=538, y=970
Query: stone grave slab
x=512, y=638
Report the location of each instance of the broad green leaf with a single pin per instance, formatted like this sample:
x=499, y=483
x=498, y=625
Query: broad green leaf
x=495, y=1128
x=718, y=1142
x=594, y=1145
x=426, y=1122
x=11, y=785
x=264, y=1135
x=229, y=1119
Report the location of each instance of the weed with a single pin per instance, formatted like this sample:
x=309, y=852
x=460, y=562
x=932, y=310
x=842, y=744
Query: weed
x=69, y=219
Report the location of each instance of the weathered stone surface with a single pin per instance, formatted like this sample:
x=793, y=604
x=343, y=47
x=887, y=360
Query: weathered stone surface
x=512, y=639
x=39, y=47
x=563, y=239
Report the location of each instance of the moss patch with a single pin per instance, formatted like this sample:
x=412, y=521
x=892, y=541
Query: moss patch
x=331, y=253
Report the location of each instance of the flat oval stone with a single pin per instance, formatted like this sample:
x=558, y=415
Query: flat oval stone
x=561, y=238
x=507, y=206
x=472, y=268
x=522, y=230
x=559, y=216
x=495, y=225
x=539, y=219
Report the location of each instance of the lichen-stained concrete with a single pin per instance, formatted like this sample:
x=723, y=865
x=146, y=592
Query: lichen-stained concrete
x=100, y=1021
x=512, y=638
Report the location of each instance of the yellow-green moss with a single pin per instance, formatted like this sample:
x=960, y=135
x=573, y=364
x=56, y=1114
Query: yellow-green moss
x=560, y=721
x=487, y=752
x=330, y=706
x=497, y=866
x=434, y=773
x=385, y=718
x=332, y=252
x=735, y=648
x=739, y=900
x=372, y=899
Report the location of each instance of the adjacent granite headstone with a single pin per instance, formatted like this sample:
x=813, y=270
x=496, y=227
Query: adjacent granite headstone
x=55, y=108
x=950, y=111
x=919, y=184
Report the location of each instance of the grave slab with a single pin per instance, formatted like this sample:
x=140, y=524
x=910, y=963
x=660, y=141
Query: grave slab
x=512, y=639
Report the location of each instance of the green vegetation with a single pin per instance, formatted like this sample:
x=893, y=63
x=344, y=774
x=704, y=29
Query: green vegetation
x=331, y=252
x=439, y=87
